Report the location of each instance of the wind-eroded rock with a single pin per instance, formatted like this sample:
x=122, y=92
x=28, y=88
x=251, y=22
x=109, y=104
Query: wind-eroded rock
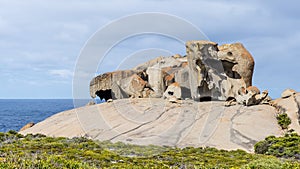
x=238, y=60
x=207, y=72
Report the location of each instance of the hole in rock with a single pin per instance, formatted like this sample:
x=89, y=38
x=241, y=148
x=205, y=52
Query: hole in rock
x=228, y=70
x=229, y=53
x=230, y=98
x=143, y=75
x=104, y=94
x=199, y=63
x=205, y=99
x=170, y=93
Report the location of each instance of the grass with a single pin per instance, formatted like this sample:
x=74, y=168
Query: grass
x=39, y=151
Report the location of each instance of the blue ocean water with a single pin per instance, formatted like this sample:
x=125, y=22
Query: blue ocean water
x=15, y=113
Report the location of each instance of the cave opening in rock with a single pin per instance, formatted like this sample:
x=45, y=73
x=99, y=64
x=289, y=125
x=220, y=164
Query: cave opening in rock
x=228, y=70
x=205, y=99
x=104, y=94
x=170, y=93
x=143, y=75
x=200, y=64
x=230, y=99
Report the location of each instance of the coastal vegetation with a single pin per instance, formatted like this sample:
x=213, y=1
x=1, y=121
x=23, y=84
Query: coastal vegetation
x=39, y=151
x=283, y=120
x=285, y=147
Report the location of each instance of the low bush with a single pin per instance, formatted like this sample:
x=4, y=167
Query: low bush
x=283, y=120
x=39, y=151
x=286, y=147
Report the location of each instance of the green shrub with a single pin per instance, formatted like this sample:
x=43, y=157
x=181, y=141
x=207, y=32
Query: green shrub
x=268, y=163
x=39, y=151
x=286, y=147
x=283, y=120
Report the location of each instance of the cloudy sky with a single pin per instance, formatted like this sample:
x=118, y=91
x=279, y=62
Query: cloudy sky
x=40, y=40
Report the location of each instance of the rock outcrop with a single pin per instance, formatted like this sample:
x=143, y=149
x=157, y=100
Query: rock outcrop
x=207, y=72
x=289, y=104
x=173, y=113
x=237, y=61
x=160, y=122
x=27, y=126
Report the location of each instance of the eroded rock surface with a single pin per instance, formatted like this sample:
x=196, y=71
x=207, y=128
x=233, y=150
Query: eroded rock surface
x=290, y=105
x=139, y=115
x=237, y=61
x=207, y=72
x=157, y=121
x=27, y=126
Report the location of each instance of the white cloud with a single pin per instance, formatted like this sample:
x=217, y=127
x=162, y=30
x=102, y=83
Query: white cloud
x=63, y=73
x=72, y=32
x=44, y=38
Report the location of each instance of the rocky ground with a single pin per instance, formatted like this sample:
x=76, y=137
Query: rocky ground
x=160, y=122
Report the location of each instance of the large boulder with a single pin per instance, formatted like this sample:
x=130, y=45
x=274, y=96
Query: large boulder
x=207, y=72
x=220, y=72
x=106, y=85
x=251, y=96
x=288, y=93
x=237, y=61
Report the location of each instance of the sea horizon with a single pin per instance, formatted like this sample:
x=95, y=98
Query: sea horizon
x=15, y=113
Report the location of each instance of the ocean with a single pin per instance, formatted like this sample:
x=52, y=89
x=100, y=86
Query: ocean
x=15, y=113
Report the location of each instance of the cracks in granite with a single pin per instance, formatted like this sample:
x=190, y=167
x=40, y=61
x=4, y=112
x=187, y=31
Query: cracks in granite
x=179, y=136
x=235, y=135
x=181, y=132
x=298, y=106
x=141, y=125
x=211, y=125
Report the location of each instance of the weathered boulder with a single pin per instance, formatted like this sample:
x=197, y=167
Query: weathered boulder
x=182, y=78
x=161, y=62
x=173, y=90
x=220, y=72
x=118, y=85
x=237, y=61
x=288, y=93
x=102, y=85
x=27, y=126
x=133, y=86
x=251, y=96
x=203, y=64
x=207, y=72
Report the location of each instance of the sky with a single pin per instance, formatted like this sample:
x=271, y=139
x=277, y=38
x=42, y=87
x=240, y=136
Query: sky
x=41, y=40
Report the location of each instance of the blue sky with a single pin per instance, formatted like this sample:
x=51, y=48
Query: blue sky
x=41, y=40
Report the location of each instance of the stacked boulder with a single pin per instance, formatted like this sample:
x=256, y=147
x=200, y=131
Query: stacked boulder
x=207, y=72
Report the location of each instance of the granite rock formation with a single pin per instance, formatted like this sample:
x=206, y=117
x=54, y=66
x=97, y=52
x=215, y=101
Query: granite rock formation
x=27, y=126
x=157, y=121
x=289, y=103
x=207, y=72
x=161, y=102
